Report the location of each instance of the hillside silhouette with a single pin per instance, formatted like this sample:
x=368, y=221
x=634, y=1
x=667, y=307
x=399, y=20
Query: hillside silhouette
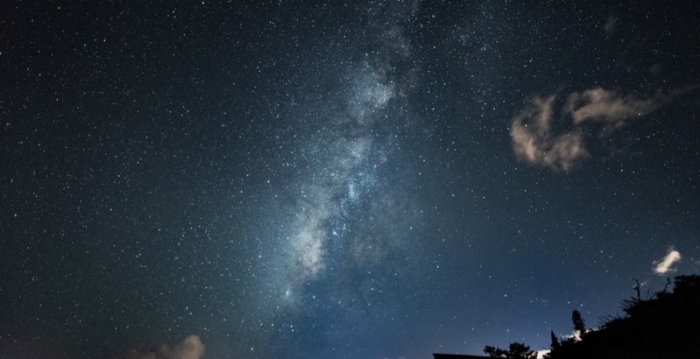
x=666, y=325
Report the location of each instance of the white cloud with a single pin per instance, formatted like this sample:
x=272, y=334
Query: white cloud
x=189, y=348
x=535, y=140
x=542, y=353
x=664, y=266
x=575, y=335
x=607, y=106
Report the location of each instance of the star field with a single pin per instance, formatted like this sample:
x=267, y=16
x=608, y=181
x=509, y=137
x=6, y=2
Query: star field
x=372, y=179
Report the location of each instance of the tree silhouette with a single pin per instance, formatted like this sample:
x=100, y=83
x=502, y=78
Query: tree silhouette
x=515, y=351
x=579, y=324
x=555, y=341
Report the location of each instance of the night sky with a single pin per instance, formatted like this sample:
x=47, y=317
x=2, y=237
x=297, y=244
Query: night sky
x=374, y=179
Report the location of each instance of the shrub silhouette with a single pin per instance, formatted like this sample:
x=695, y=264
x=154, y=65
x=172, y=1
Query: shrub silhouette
x=515, y=351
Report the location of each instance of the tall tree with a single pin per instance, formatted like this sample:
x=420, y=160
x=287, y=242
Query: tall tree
x=555, y=341
x=579, y=324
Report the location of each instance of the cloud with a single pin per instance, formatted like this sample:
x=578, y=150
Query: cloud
x=536, y=142
x=541, y=353
x=664, y=266
x=577, y=336
x=189, y=348
x=607, y=106
x=610, y=24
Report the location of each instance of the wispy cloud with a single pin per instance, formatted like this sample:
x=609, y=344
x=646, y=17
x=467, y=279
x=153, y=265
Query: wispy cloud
x=607, y=106
x=535, y=140
x=664, y=266
x=189, y=348
x=610, y=24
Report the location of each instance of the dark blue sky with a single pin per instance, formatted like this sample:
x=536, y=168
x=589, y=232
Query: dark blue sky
x=376, y=179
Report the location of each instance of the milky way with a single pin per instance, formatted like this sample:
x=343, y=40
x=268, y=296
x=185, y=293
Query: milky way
x=345, y=228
